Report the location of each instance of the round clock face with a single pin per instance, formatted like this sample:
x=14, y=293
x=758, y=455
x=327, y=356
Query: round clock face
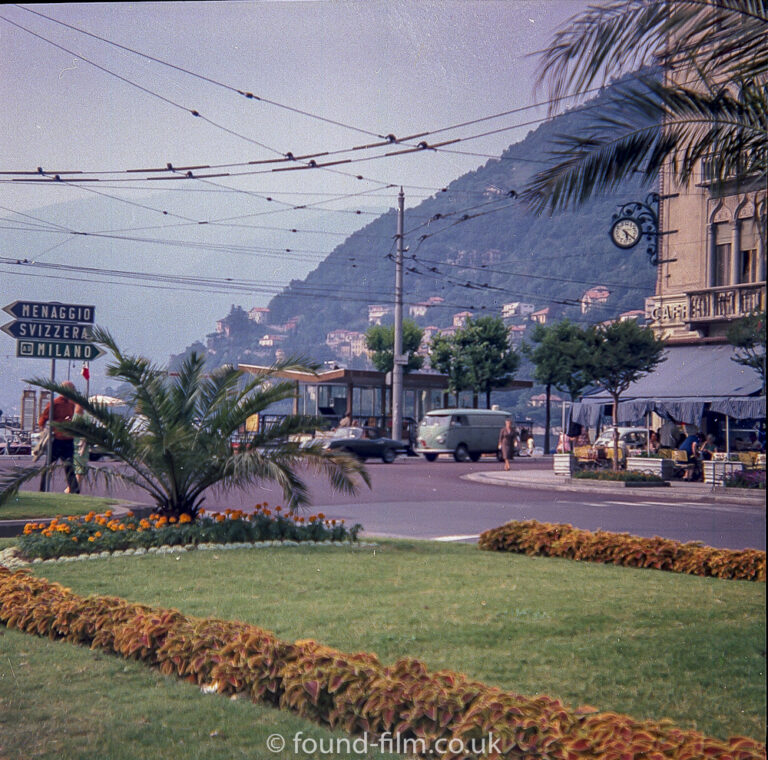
x=625, y=233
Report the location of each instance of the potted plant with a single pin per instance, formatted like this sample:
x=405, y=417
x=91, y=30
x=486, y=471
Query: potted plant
x=715, y=472
x=654, y=464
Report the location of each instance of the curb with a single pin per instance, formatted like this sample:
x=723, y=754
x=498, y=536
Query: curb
x=567, y=484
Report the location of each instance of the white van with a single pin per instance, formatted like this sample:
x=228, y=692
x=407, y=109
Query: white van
x=465, y=433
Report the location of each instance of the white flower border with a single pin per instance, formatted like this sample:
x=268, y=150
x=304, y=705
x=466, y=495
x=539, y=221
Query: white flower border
x=10, y=558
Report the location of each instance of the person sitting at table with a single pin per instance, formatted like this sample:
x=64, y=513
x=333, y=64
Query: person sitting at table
x=653, y=442
x=708, y=447
x=583, y=437
x=754, y=444
x=691, y=447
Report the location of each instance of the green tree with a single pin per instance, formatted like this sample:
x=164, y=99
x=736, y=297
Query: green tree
x=561, y=359
x=483, y=347
x=619, y=354
x=476, y=357
x=444, y=359
x=748, y=336
x=712, y=100
x=177, y=441
x=380, y=339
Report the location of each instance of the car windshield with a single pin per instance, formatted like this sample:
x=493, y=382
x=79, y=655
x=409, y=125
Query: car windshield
x=436, y=420
x=348, y=432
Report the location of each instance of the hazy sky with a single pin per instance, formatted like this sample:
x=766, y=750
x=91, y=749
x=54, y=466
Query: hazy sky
x=379, y=68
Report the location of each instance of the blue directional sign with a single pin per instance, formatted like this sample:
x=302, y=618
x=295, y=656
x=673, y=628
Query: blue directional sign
x=28, y=329
x=51, y=311
x=41, y=349
x=52, y=330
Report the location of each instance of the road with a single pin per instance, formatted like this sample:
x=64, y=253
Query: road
x=412, y=498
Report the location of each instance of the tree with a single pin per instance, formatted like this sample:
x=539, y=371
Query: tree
x=380, y=339
x=748, y=336
x=712, y=101
x=177, y=441
x=618, y=355
x=483, y=344
x=443, y=358
x=561, y=361
x=477, y=357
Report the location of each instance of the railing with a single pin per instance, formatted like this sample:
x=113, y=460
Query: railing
x=727, y=302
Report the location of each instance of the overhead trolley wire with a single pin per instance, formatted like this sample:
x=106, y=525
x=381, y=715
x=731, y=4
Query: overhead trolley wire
x=210, y=80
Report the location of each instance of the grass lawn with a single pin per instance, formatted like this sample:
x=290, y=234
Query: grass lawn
x=648, y=643
x=32, y=505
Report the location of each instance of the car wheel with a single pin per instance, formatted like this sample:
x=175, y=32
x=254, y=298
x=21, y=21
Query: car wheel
x=388, y=456
x=475, y=456
x=462, y=453
x=430, y=457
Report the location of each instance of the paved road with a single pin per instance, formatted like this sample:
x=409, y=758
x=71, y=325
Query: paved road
x=416, y=499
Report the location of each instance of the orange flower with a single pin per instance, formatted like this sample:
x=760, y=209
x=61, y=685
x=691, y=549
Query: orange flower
x=172, y=520
x=185, y=518
x=129, y=514
x=278, y=509
x=320, y=516
x=108, y=513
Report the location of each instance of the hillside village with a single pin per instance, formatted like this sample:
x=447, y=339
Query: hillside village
x=261, y=341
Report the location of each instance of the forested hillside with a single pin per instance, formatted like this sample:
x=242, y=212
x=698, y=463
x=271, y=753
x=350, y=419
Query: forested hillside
x=473, y=244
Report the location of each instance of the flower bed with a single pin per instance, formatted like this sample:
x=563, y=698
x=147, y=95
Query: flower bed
x=746, y=479
x=96, y=533
x=354, y=692
x=631, y=476
x=553, y=540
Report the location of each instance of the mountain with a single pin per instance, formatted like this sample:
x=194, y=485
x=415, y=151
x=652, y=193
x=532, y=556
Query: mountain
x=475, y=246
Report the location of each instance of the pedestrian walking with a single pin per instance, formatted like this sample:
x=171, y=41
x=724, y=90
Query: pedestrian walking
x=63, y=445
x=507, y=437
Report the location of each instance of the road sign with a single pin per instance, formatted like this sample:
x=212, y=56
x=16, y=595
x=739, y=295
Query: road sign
x=32, y=330
x=51, y=311
x=41, y=349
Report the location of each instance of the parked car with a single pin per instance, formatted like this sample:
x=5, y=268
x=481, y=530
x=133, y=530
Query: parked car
x=631, y=439
x=366, y=442
x=467, y=434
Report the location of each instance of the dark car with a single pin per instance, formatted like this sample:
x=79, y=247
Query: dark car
x=366, y=442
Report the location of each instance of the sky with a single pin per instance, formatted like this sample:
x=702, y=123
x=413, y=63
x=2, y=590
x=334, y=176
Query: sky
x=327, y=77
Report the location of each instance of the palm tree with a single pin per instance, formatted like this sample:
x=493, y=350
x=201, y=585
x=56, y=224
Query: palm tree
x=177, y=443
x=712, y=100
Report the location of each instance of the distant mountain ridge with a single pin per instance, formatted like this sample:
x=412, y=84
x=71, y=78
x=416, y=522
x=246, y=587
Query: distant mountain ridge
x=475, y=246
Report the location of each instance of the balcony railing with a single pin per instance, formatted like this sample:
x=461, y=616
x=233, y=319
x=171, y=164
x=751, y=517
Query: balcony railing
x=729, y=302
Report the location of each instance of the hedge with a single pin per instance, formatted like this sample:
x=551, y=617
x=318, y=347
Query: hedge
x=350, y=691
x=561, y=540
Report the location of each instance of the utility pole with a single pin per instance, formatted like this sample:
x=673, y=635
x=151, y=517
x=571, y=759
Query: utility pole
x=399, y=359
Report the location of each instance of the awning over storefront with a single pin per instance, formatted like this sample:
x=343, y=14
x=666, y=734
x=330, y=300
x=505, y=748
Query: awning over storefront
x=681, y=387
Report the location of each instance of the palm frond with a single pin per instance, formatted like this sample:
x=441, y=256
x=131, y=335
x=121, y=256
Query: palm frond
x=627, y=138
x=724, y=39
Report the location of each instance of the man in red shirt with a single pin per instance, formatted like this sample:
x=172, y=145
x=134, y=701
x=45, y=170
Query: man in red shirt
x=63, y=445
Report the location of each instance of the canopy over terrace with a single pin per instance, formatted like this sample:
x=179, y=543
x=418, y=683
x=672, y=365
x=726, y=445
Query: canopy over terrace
x=364, y=393
x=340, y=392
x=692, y=380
